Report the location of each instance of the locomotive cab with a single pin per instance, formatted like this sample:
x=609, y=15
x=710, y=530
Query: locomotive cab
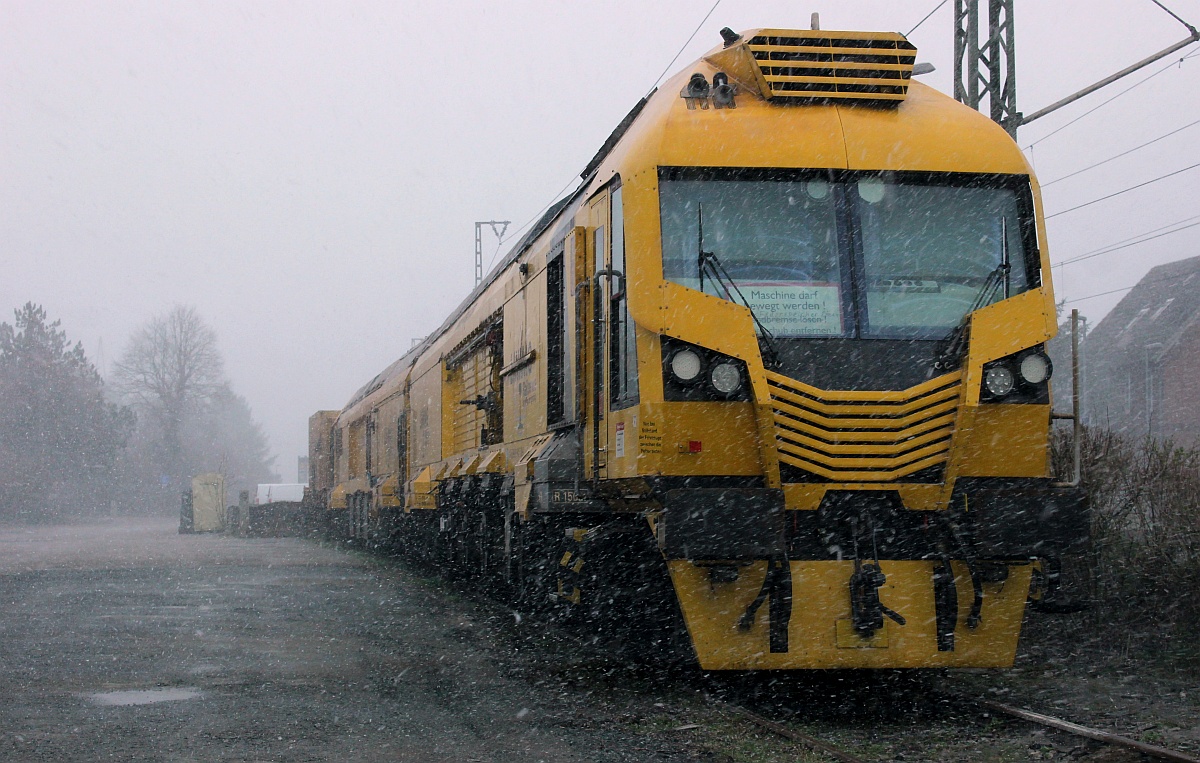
x=843, y=406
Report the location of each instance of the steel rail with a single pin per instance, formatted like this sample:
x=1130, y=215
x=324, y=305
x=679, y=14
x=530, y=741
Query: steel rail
x=796, y=736
x=1161, y=753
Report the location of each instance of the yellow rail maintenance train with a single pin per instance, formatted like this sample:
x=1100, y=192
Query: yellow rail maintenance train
x=777, y=366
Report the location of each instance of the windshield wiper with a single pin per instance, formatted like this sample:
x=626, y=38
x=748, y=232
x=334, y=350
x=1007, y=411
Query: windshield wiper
x=707, y=263
x=954, y=344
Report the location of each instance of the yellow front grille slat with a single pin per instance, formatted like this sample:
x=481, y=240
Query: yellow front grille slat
x=830, y=95
x=891, y=408
x=858, y=436
x=837, y=81
x=836, y=66
x=881, y=447
x=864, y=435
x=868, y=462
x=843, y=424
x=889, y=396
x=863, y=476
x=897, y=70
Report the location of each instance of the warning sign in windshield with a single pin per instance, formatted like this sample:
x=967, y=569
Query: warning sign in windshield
x=796, y=309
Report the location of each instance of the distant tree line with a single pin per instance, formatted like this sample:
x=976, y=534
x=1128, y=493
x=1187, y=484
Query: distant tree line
x=73, y=447
x=60, y=438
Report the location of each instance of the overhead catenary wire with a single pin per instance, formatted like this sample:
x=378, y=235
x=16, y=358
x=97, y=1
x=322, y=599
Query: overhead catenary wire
x=1123, y=153
x=1173, y=14
x=1123, y=190
x=1117, y=291
x=1156, y=233
x=683, y=47
x=574, y=178
x=1102, y=104
x=1193, y=36
x=936, y=8
x=1134, y=240
x=1101, y=294
x=537, y=216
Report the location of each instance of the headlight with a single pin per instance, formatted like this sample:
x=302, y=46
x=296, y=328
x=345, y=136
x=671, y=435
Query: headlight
x=1035, y=368
x=686, y=365
x=998, y=380
x=725, y=378
x=694, y=374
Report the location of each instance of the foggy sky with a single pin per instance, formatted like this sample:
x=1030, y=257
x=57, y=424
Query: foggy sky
x=307, y=174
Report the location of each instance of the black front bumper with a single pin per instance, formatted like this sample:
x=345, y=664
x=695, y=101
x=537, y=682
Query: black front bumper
x=988, y=518
x=1007, y=517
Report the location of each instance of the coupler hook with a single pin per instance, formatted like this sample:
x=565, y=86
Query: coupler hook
x=866, y=610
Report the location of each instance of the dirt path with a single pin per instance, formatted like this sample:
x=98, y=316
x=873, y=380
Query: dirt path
x=125, y=641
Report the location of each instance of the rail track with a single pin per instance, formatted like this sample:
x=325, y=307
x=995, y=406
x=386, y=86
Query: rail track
x=836, y=753
x=808, y=741
x=1154, y=751
x=732, y=701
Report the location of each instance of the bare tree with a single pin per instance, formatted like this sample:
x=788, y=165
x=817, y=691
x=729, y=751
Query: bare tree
x=172, y=366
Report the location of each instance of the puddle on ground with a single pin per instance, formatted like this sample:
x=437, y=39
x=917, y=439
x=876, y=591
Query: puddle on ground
x=144, y=696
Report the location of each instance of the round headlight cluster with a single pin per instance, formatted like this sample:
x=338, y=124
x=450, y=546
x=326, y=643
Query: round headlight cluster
x=1035, y=368
x=1027, y=370
x=691, y=367
x=686, y=366
x=999, y=380
x=725, y=378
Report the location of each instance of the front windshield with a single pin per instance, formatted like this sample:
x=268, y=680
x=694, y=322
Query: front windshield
x=776, y=240
x=928, y=250
x=853, y=255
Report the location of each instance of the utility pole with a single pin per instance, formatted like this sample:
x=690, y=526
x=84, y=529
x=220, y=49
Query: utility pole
x=498, y=227
x=985, y=62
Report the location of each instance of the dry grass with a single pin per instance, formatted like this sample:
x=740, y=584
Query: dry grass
x=1144, y=565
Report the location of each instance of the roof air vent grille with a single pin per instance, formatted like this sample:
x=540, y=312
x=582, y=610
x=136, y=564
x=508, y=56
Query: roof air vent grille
x=808, y=66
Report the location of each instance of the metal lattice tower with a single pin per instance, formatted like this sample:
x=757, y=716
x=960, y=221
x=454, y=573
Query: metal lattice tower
x=986, y=68
x=498, y=227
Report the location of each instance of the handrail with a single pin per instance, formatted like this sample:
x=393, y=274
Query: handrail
x=580, y=384
x=599, y=339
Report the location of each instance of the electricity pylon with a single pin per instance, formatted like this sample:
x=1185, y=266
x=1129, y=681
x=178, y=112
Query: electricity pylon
x=503, y=226
x=985, y=62
x=985, y=67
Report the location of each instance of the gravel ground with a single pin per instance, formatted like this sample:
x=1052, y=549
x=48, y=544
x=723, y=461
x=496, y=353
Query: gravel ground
x=1136, y=684
x=125, y=641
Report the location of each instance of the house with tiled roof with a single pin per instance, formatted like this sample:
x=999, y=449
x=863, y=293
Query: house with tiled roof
x=1142, y=360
